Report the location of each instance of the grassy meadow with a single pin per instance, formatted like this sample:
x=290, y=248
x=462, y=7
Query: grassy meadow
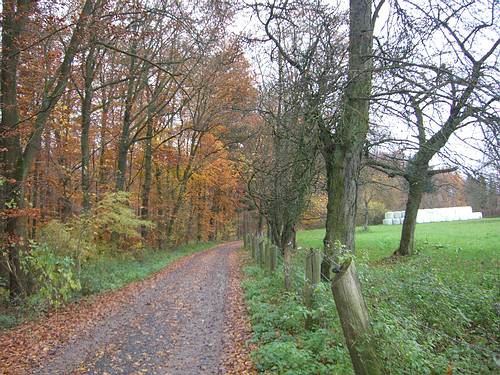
x=468, y=240
x=437, y=312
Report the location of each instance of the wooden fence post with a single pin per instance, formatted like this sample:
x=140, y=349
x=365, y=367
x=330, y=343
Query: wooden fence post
x=254, y=247
x=262, y=245
x=313, y=278
x=267, y=246
x=273, y=258
x=355, y=321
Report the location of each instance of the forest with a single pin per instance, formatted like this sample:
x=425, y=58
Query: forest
x=137, y=134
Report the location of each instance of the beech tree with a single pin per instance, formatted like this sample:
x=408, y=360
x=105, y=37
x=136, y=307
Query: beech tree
x=17, y=158
x=109, y=95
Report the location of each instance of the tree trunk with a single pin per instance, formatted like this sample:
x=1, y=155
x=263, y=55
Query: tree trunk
x=343, y=157
x=146, y=187
x=161, y=221
x=342, y=151
x=287, y=267
x=14, y=21
x=416, y=191
x=365, y=221
x=175, y=211
x=124, y=142
x=342, y=175
x=86, y=113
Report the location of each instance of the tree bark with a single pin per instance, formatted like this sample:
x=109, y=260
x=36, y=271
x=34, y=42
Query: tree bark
x=415, y=193
x=146, y=187
x=101, y=180
x=124, y=142
x=14, y=21
x=342, y=151
x=90, y=63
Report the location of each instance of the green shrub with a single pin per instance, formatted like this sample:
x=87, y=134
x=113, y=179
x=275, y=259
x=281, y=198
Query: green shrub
x=73, y=239
x=8, y=321
x=54, y=276
x=284, y=358
x=115, y=222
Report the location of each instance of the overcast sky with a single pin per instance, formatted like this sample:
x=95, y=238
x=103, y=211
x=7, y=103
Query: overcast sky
x=465, y=145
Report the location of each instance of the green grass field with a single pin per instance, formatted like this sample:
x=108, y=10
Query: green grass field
x=474, y=239
x=435, y=312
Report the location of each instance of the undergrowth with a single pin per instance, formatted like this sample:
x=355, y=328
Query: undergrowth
x=101, y=274
x=434, y=313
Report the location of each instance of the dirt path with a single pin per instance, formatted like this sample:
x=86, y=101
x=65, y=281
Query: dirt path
x=172, y=323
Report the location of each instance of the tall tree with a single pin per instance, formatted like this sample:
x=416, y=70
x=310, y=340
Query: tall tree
x=17, y=160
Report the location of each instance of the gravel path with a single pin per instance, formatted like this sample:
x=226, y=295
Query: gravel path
x=173, y=325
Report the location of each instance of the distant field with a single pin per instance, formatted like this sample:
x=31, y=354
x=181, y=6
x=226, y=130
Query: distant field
x=472, y=239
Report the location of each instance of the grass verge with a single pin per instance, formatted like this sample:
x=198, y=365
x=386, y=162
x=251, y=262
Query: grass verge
x=103, y=274
x=434, y=313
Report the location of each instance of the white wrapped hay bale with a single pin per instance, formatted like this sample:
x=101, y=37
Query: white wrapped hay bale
x=387, y=221
x=422, y=216
x=396, y=215
x=402, y=214
x=476, y=215
x=448, y=213
x=433, y=215
x=396, y=221
x=389, y=215
x=464, y=213
x=438, y=214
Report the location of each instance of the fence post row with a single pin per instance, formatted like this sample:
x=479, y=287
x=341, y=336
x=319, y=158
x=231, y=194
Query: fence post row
x=263, y=251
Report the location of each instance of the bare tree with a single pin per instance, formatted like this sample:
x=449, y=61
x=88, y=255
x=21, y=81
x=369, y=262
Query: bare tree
x=446, y=80
x=283, y=160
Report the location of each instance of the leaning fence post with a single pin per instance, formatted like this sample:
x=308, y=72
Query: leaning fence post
x=355, y=321
x=313, y=278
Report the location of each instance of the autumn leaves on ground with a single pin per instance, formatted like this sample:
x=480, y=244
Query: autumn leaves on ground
x=186, y=319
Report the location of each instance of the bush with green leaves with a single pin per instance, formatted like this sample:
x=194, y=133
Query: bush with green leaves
x=115, y=222
x=73, y=239
x=54, y=276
